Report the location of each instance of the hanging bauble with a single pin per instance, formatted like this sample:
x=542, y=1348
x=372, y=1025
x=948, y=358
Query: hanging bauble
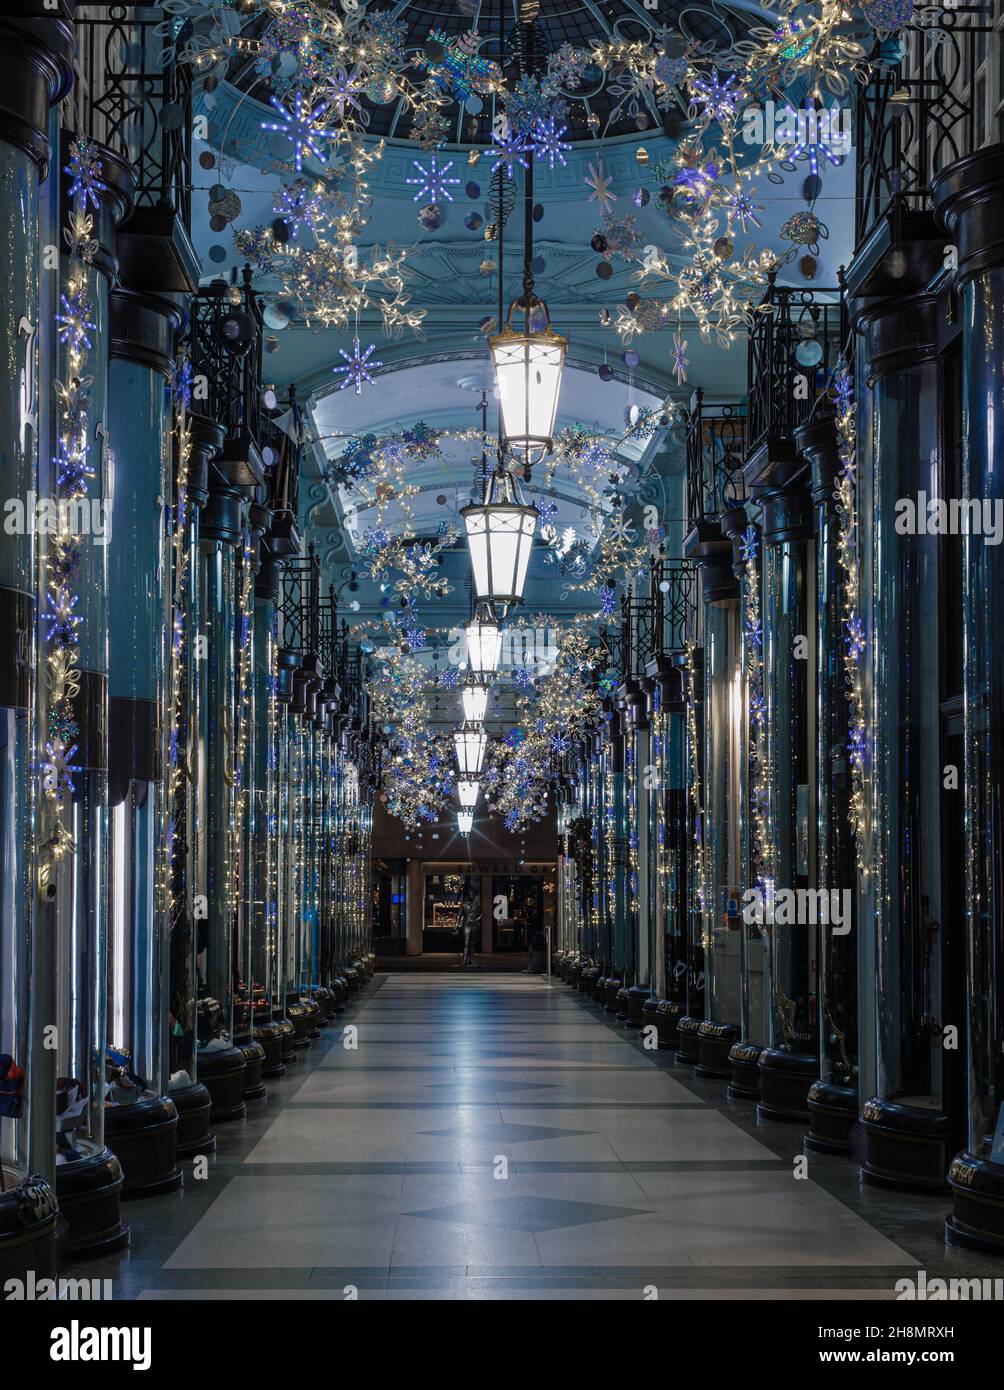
x=473, y=190
x=723, y=248
x=473, y=221
x=538, y=212
x=434, y=51
x=474, y=105
x=487, y=267
x=280, y=230
x=633, y=301
x=472, y=157
x=808, y=266
x=598, y=243
x=431, y=217
x=641, y=197
x=641, y=156
x=887, y=16
x=593, y=122
x=631, y=358
x=642, y=120
x=605, y=372
x=538, y=265
x=670, y=71
x=604, y=270
x=802, y=228
x=809, y=353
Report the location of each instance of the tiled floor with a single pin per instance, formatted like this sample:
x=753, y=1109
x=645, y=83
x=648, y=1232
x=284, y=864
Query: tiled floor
x=497, y=1137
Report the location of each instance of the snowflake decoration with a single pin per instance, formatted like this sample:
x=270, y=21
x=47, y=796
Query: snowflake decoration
x=344, y=90
x=512, y=147
x=84, y=168
x=547, y=141
x=433, y=182
x=813, y=137
x=300, y=126
x=357, y=366
x=181, y=383
x=608, y=597
x=680, y=358
x=601, y=184
x=720, y=99
x=741, y=205
x=297, y=203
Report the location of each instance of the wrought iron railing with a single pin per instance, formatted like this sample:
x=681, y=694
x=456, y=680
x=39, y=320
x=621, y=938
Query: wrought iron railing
x=226, y=349
x=793, y=333
x=299, y=606
x=674, y=603
x=134, y=98
x=716, y=452
x=916, y=116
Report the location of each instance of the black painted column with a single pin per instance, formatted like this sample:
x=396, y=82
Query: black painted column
x=35, y=71
x=970, y=198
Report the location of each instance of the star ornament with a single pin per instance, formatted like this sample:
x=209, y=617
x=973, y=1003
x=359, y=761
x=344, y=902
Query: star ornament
x=548, y=143
x=356, y=367
x=680, y=363
x=300, y=126
x=433, y=183
x=512, y=147
x=601, y=184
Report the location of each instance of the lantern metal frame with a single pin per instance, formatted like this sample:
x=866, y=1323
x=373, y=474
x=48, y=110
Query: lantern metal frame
x=470, y=743
x=468, y=792
x=503, y=521
x=527, y=351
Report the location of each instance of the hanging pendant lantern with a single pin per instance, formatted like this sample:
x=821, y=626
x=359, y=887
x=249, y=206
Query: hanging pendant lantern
x=470, y=743
x=468, y=794
x=465, y=822
x=474, y=698
x=528, y=368
x=484, y=646
x=500, y=533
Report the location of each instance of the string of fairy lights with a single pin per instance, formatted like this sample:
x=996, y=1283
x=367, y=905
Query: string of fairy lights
x=761, y=853
x=855, y=644
x=696, y=794
x=61, y=615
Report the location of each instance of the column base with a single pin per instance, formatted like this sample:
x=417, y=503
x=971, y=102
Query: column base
x=254, y=1058
x=287, y=1041
x=667, y=1016
x=833, y=1113
x=905, y=1146
x=222, y=1074
x=622, y=1005
x=89, y=1189
x=28, y=1219
x=589, y=979
x=297, y=1015
x=745, y=1083
x=269, y=1036
x=611, y=988
x=785, y=1078
x=193, y=1104
x=714, y=1043
x=145, y=1136
x=688, y=1043
x=637, y=998
x=977, y=1219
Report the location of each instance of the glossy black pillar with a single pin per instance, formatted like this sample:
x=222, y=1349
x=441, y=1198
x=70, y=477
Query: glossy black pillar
x=970, y=197
x=141, y=1122
x=192, y=457
x=788, y=1066
x=35, y=71
x=906, y=1118
x=833, y=1098
x=89, y=1176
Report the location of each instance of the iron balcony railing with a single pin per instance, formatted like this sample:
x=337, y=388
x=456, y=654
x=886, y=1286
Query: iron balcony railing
x=793, y=333
x=915, y=116
x=226, y=349
x=134, y=98
x=674, y=607
x=716, y=452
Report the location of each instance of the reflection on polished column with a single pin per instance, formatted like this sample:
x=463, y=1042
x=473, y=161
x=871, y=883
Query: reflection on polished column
x=907, y=1119
x=969, y=196
x=89, y=1177
x=140, y=1120
x=35, y=72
